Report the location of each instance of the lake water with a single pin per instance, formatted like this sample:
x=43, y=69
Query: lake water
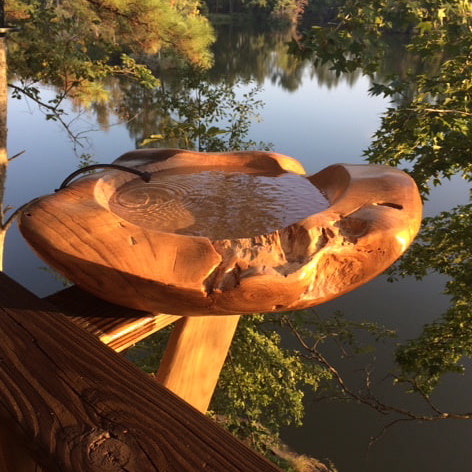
x=319, y=120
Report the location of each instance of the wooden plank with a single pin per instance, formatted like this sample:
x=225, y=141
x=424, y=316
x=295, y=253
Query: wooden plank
x=82, y=407
x=13, y=454
x=195, y=355
x=117, y=326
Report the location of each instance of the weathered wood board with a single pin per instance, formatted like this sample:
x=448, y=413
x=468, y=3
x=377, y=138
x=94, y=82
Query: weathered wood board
x=116, y=326
x=195, y=354
x=81, y=407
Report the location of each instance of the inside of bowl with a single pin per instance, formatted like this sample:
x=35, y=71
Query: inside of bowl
x=220, y=203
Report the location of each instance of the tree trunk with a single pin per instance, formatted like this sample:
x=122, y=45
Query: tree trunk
x=3, y=232
x=3, y=138
x=13, y=455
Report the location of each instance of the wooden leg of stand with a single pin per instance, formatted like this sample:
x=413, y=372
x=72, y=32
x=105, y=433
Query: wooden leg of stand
x=195, y=355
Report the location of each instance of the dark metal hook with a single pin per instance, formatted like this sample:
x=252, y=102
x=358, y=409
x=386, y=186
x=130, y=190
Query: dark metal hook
x=146, y=176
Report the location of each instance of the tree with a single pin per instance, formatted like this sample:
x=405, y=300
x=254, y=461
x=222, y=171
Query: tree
x=93, y=40
x=75, y=45
x=3, y=134
x=428, y=128
x=429, y=124
x=194, y=113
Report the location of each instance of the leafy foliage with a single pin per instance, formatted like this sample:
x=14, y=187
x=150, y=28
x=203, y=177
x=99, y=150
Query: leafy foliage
x=74, y=45
x=443, y=246
x=263, y=383
x=433, y=129
x=204, y=116
x=429, y=125
x=427, y=129
x=439, y=349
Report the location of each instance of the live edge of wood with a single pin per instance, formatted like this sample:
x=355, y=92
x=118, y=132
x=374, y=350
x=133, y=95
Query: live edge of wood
x=81, y=407
x=373, y=215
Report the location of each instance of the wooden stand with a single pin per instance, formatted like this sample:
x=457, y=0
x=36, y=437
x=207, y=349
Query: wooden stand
x=195, y=356
x=116, y=237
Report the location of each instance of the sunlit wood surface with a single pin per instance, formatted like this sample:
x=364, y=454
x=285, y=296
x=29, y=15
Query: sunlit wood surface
x=195, y=355
x=81, y=407
x=161, y=255
x=117, y=326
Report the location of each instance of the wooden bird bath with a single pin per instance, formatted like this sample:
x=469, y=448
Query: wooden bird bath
x=224, y=233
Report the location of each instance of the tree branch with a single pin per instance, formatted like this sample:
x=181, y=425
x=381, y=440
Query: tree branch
x=18, y=154
x=369, y=399
x=5, y=226
x=441, y=110
x=53, y=109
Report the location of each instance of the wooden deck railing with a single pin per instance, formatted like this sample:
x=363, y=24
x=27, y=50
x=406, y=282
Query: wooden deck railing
x=77, y=405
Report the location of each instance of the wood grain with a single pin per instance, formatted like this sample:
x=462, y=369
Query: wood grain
x=14, y=455
x=195, y=354
x=194, y=357
x=116, y=326
x=81, y=407
x=373, y=215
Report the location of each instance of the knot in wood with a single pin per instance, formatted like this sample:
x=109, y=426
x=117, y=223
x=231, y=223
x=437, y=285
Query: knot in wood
x=107, y=453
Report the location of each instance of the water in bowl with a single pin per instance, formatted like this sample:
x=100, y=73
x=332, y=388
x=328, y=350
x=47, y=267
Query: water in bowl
x=217, y=204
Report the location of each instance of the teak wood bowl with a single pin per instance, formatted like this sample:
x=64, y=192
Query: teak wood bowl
x=146, y=259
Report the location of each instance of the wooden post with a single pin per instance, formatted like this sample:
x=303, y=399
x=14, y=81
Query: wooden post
x=82, y=407
x=195, y=356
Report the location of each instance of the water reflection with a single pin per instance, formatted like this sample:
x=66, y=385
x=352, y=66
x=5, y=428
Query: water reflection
x=189, y=111
x=193, y=109
x=255, y=52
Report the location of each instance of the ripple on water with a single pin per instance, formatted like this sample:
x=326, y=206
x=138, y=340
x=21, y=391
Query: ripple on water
x=217, y=204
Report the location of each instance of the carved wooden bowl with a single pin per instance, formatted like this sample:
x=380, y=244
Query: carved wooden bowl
x=224, y=233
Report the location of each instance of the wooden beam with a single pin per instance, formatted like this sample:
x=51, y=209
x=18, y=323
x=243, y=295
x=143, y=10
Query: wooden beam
x=117, y=326
x=82, y=407
x=195, y=355
x=13, y=454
